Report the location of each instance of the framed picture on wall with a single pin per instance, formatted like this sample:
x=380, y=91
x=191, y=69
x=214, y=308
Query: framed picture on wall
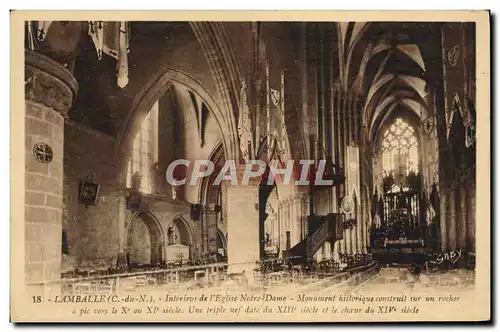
x=89, y=193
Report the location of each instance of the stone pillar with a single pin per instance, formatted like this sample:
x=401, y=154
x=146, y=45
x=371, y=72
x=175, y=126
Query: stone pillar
x=121, y=202
x=359, y=240
x=243, y=224
x=210, y=219
x=462, y=219
x=362, y=224
x=352, y=245
x=288, y=210
x=354, y=235
x=452, y=218
x=349, y=243
x=359, y=230
x=294, y=222
x=299, y=215
x=204, y=233
x=49, y=91
x=443, y=208
x=368, y=221
x=471, y=216
x=343, y=243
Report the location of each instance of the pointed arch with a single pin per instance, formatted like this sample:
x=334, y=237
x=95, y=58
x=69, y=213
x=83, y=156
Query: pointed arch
x=186, y=230
x=219, y=53
x=204, y=192
x=222, y=238
x=157, y=87
x=155, y=232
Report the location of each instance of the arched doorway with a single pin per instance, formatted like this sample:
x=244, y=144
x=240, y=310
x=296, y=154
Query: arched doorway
x=144, y=241
x=179, y=241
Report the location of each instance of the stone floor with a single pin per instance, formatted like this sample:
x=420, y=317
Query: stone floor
x=386, y=280
x=399, y=280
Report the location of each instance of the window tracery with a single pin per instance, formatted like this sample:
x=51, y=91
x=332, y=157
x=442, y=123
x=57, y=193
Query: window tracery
x=400, y=149
x=140, y=172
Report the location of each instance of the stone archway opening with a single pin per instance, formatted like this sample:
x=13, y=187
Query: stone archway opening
x=144, y=242
x=179, y=241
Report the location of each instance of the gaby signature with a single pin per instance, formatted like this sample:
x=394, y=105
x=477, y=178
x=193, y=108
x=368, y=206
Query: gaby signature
x=452, y=256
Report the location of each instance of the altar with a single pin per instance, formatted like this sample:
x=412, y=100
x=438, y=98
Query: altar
x=177, y=252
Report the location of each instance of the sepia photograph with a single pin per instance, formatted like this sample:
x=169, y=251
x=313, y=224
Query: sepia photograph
x=211, y=167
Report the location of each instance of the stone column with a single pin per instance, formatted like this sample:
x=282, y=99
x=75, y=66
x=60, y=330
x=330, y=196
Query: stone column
x=352, y=245
x=204, y=233
x=362, y=223
x=343, y=243
x=354, y=239
x=121, y=202
x=243, y=224
x=49, y=91
x=443, y=208
x=462, y=219
x=349, y=241
x=471, y=216
x=294, y=222
x=281, y=228
x=359, y=231
x=299, y=215
x=210, y=219
x=452, y=218
x=287, y=228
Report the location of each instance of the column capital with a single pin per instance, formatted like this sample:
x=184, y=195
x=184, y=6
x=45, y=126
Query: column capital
x=49, y=83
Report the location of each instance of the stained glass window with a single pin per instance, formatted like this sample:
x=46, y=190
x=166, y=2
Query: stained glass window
x=144, y=152
x=400, y=149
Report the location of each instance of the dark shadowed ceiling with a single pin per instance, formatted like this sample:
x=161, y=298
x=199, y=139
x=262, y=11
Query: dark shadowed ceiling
x=101, y=104
x=387, y=62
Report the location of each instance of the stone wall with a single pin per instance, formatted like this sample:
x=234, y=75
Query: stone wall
x=91, y=230
x=43, y=192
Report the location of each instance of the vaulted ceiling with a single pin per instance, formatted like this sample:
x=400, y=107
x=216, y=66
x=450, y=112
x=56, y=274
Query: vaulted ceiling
x=386, y=63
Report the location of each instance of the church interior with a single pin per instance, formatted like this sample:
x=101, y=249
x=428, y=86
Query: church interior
x=110, y=105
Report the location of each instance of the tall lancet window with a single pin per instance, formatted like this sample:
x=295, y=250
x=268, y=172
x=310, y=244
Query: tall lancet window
x=400, y=151
x=144, y=153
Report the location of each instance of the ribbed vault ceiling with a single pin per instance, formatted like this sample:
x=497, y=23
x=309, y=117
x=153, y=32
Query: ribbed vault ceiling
x=383, y=63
